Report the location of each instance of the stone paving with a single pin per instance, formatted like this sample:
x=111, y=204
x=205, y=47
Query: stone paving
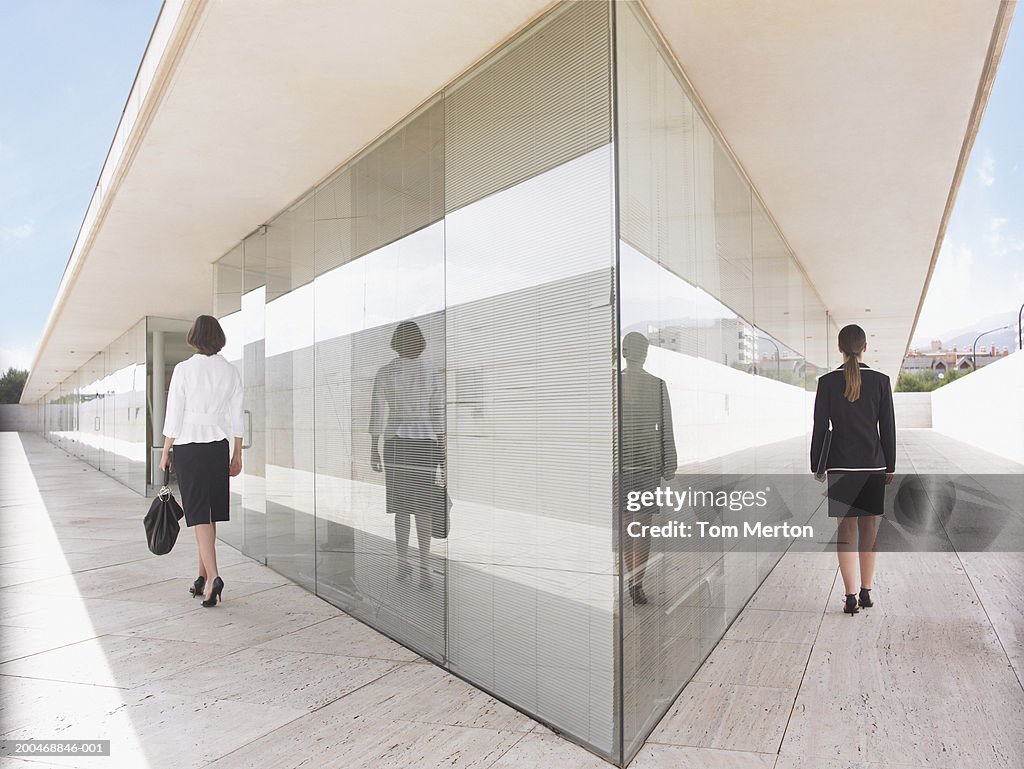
x=99, y=640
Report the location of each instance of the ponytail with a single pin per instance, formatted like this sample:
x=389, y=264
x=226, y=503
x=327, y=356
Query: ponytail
x=852, y=341
x=851, y=371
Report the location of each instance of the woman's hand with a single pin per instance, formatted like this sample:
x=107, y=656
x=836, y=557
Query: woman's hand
x=165, y=460
x=236, y=465
x=888, y=478
x=375, y=464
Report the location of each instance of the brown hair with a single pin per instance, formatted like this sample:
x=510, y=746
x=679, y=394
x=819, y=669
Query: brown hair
x=852, y=341
x=408, y=340
x=206, y=336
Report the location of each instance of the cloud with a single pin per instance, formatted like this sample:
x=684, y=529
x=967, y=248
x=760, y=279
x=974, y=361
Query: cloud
x=18, y=357
x=952, y=300
x=22, y=231
x=986, y=173
x=1000, y=243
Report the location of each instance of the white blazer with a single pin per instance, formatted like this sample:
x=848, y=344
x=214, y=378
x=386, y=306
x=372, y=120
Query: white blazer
x=204, y=402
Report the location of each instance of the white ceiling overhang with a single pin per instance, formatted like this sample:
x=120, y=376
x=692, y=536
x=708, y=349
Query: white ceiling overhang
x=853, y=121
x=850, y=120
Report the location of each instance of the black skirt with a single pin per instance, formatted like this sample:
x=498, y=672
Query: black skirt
x=410, y=470
x=855, y=493
x=202, y=470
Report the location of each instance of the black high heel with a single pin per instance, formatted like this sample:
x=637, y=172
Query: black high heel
x=215, y=591
x=850, y=607
x=197, y=587
x=865, y=597
x=636, y=592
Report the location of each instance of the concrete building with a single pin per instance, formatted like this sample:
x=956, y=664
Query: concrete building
x=938, y=360
x=524, y=183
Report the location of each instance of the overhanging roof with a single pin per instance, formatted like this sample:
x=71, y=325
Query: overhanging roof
x=850, y=119
x=853, y=121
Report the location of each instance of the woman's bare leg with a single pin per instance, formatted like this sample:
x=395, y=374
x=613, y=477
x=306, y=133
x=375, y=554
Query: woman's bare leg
x=206, y=534
x=868, y=530
x=199, y=550
x=846, y=548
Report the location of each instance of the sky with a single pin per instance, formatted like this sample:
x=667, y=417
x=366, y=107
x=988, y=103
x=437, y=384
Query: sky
x=67, y=66
x=980, y=269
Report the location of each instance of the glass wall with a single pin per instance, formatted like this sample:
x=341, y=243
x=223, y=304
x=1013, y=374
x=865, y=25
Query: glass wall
x=721, y=337
x=99, y=414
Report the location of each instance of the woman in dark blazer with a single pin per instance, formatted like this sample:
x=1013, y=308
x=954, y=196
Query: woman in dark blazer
x=858, y=459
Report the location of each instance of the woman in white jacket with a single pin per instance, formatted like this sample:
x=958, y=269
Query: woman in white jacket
x=204, y=414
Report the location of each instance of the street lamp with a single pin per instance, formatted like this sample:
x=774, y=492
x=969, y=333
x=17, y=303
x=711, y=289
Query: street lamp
x=778, y=354
x=1020, y=328
x=974, y=349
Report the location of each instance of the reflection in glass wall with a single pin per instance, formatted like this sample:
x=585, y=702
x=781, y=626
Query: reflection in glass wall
x=227, y=308
x=288, y=379
x=254, y=403
x=99, y=413
x=528, y=277
x=732, y=327
x=379, y=398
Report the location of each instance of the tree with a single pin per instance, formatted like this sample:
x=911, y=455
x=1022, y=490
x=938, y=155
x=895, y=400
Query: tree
x=11, y=385
x=925, y=381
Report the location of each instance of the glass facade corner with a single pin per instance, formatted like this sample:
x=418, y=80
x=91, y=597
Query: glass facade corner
x=550, y=286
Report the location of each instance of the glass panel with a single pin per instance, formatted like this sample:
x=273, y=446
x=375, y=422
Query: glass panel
x=126, y=429
x=165, y=348
x=91, y=411
x=532, y=577
x=379, y=261
x=227, y=308
x=714, y=321
x=289, y=394
x=254, y=499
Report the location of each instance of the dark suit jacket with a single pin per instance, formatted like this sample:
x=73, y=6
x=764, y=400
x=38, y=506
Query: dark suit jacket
x=648, y=445
x=863, y=432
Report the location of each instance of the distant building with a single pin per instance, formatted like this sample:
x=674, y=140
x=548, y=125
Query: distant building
x=938, y=360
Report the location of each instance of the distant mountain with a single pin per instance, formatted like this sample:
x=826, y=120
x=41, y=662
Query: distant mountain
x=962, y=338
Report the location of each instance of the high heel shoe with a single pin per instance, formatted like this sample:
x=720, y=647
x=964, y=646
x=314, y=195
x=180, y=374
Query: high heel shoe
x=865, y=597
x=850, y=607
x=197, y=587
x=636, y=592
x=215, y=591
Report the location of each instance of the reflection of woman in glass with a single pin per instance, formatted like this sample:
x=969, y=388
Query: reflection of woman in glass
x=648, y=451
x=859, y=460
x=412, y=392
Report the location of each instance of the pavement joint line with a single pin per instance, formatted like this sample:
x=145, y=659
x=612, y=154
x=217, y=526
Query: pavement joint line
x=807, y=662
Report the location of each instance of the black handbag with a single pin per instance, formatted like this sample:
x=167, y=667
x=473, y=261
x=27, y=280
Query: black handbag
x=440, y=505
x=161, y=521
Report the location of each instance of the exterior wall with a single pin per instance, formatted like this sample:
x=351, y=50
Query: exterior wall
x=913, y=409
x=999, y=428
